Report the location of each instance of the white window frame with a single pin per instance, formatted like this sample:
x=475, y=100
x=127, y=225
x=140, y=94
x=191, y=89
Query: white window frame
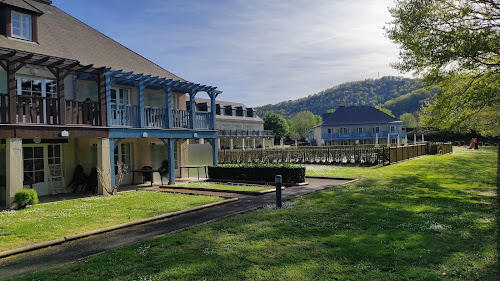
x=376, y=129
x=393, y=129
x=44, y=93
x=344, y=131
x=22, y=27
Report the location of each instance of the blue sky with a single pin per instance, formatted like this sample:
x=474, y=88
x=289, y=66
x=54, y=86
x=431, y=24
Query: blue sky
x=257, y=52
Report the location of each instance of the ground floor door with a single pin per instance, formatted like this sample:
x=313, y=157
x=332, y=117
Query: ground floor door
x=38, y=162
x=123, y=154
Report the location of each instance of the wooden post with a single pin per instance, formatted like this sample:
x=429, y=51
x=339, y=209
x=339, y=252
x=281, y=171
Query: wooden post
x=101, y=92
x=192, y=110
x=11, y=89
x=169, y=107
x=140, y=102
x=61, y=96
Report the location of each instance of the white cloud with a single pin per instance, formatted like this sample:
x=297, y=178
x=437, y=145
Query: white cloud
x=264, y=51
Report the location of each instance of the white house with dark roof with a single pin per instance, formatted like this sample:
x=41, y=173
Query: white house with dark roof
x=349, y=125
x=238, y=126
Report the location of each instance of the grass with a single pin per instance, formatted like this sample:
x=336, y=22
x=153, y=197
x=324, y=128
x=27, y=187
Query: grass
x=50, y=221
x=226, y=186
x=431, y=218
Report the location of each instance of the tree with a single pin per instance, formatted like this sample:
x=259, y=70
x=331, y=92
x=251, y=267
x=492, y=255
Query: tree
x=303, y=122
x=385, y=110
x=453, y=43
x=277, y=124
x=409, y=120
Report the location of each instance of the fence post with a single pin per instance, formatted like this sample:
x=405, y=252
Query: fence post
x=278, y=180
x=328, y=156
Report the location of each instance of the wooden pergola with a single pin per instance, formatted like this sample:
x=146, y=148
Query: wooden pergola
x=13, y=60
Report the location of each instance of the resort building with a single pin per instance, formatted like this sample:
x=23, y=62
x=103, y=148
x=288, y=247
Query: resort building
x=349, y=125
x=71, y=96
x=238, y=126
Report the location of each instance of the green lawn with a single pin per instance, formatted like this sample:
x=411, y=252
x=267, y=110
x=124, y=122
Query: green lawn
x=50, y=221
x=431, y=218
x=226, y=186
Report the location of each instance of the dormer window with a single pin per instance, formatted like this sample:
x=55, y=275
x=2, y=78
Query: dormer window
x=22, y=26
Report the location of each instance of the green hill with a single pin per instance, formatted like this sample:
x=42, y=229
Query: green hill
x=395, y=91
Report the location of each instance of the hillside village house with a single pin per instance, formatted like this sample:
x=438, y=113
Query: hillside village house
x=349, y=125
x=70, y=96
x=238, y=126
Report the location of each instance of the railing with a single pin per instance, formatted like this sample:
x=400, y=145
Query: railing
x=359, y=155
x=4, y=109
x=246, y=133
x=37, y=110
x=203, y=120
x=180, y=118
x=125, y=115
x=83, y=113
x=155, y=117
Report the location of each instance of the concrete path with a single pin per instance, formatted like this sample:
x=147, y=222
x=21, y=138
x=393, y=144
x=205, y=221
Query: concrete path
x=93, y=245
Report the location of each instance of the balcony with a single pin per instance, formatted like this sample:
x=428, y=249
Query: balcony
x=246, y=133
x=44, y=110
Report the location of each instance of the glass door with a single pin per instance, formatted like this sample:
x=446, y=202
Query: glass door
x=120, y=107
x=123, y=154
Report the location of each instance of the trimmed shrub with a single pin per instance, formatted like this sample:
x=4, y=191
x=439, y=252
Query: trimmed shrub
x=25, y=197
x=258, y=172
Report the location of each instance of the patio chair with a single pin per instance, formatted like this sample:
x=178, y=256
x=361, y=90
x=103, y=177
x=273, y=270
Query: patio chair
x=147, y=176
x=91, y=184
x=79, y=179
x=163, y=170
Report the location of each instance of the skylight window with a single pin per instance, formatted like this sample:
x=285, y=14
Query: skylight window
x=21, y=26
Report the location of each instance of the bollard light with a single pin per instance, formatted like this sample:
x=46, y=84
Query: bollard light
x=278, y=182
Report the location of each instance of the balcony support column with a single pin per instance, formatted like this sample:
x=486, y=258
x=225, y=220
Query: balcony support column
x=192, y=110
x=109, y=114
x=101, y=92
x=60, y=94
x=170, y=144
x=105, y=163
x=169, y=107
x=14, y=168
x=254, y=143
x=140, y=102
x=215, y=148
x=213, y=106
x=11, y=89
x=231, y=144
x=263, y=144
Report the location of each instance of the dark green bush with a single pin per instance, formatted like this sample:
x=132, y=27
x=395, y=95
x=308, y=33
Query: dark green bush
x=258, y=172
x=25, y=197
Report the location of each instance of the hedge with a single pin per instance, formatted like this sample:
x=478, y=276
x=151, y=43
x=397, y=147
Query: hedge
x=258, y=172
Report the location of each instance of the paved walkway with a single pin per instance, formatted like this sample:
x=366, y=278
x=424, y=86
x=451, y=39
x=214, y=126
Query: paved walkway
x=93, y=245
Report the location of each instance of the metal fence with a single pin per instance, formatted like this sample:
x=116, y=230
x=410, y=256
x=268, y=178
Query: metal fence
x=354, y=155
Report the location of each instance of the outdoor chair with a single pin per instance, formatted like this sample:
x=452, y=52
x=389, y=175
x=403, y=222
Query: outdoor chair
x=79, y=179
x=91, y=184
x=163, y=170
x=147, y=176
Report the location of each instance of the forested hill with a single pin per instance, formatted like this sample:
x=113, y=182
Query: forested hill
x=368, y=92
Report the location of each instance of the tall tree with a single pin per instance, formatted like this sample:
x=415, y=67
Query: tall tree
x=455, y=43
x=277, y=124
x=303, y=122
x=409, y=120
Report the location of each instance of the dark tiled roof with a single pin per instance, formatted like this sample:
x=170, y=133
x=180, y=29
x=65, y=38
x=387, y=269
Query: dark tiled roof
x=352, y=115
x=61, y=35
x=22, y=4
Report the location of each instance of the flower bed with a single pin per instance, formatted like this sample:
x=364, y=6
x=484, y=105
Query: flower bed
x=258, y=172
